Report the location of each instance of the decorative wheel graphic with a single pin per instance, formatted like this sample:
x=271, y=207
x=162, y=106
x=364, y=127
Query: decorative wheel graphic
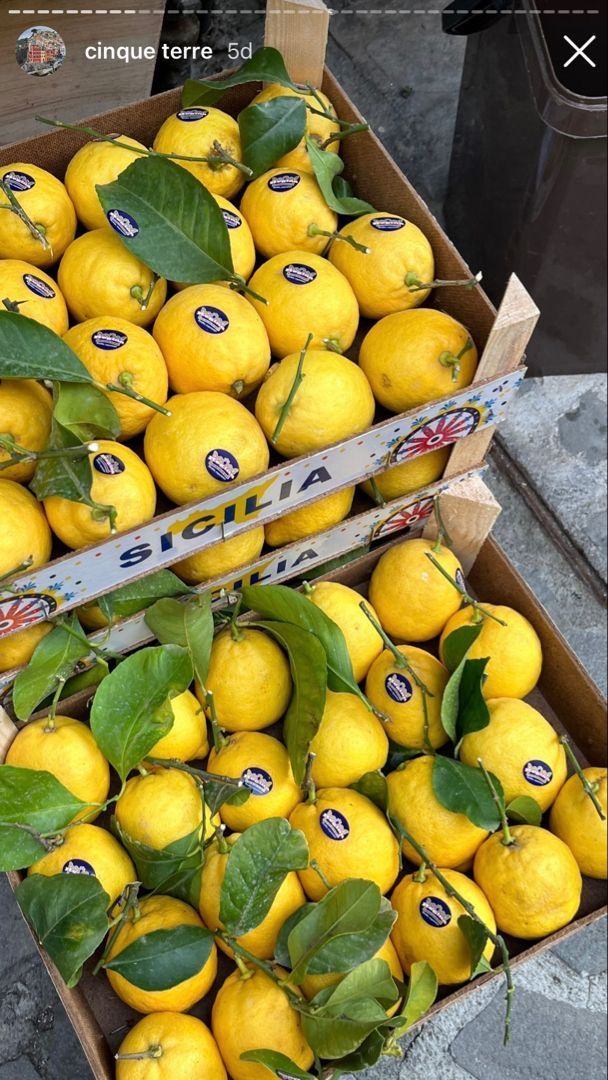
x=404, y=518
x=19, y=612
x=440, y=431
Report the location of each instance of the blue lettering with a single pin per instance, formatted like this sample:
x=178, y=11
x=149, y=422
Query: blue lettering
x=136, y=555
x=318, y=476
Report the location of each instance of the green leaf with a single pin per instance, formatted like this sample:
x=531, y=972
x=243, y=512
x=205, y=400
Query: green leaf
x=463, y=790
x=524, y=811
x=276, y=1063
x=256, y=867
x=31, y=802
x=333, y=1037
x=458, y=643
x=398, y=754
x=138, y=595
x=308, y=666
x=473, y=712
x=371, y=979
x=373, y=786
x=86, y=412
x=218, y=792
x=172, y=871
x=327, y=166
x=270, y=130
x=181, y=233
x=462, y=706
x=67, y=913
x=54, y=659
x=349, y=950
x=29, y=350
x=127, y=717
x=364, y=1057
x=164, y=958
x=349, y=908
x=421, y=994
x=69, y=477
x=477, y=938
x=187, y=624
x=266, y=65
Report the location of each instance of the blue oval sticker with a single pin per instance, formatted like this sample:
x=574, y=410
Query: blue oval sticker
x=123, y=223
x=398, y=688
x=299, y=274
x=78, y=866
x=108, y=464
x=188, y=116
x=388, y=224
x=211, y=320
x=334, y=824
x=39, y=287
x=286, y=181
x=233, y=221
x=109, y=340
x=222, y=465
x=435, y=911
x=18, y=181
x=257, y=781
x=537, y=773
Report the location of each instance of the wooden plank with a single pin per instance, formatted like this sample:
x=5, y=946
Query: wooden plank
x=7, y=732
x=469, y=511
x=299, y=29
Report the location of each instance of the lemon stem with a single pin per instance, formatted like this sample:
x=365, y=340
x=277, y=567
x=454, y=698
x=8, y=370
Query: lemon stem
x=314, y=230
x=16, y=208
x=19, y=454
x=218, y=739
x=137, y=293
x=443, y=536
x=198, y=774
x=238, y=283
x=309, y=786
x=243, y=954
x=351, y=129
x=320, y=873
x=400, y=660
x=590, y=789
x=421, y=875
x=377, y=495
x=307, y=588
x=238, y=386
x=463, y=592
x=128, y=900
x=13, y=305
x=292, y=393
x=245, y=972
x=125, y=386
x=449, y=359
x=333, y=345
x=221, y=157
x=152, y=1053
x=507, y=837
x=414, y=283
x=222, y=845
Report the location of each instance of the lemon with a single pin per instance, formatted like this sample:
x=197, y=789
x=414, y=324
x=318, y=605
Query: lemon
x=48, y=206
x=427, y=924
x=262, y=763
x=266, y=1020
x=319, y=128
x=522, y=749
x=212, y=339
x=412, y=475
x=342, y=605
x=394, y=691
x=305, y=295
x=209, y=441
x=161, y=807
x=261, y=941
x=198, y=132
x=348, y=837
x=120, y=479
x=514, y=651
x=576, y=821
x=258, y=690
x=449, y=839
x=25, y=415
x=308, y=520
x=91, y=616
x=413, y=357
x=222, y=559
x=350, y=741
x=311, y=985
x=533, y=885
x=97, y=162
x=242, y=247
x=34, y=293
x=179, y=1046
x=66, y=748
x=88, y=849
x=395, y=248
x=159, y=913
x=25, y=533
x=412, y=598
x=99, y=276
x=118, y=352
x=187, y=739
x=17, y=649
x=333, y=402
x=283, y=209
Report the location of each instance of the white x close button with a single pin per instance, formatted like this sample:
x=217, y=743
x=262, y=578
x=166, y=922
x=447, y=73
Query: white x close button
x=579, y=51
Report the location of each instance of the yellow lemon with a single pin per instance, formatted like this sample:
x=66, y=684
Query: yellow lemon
x=413, y=357
x=350, y=742
x=161, y=807
x=321, y=515
x=411, y=596
x=98, y=276
x=266, y=1020
x=514, y=651
x=17, y=649
x=348, y=837
x=159, y=913
x=333, y=402
x=120, y=353
x=287, y=211
x=313, y=984
x=25, y=415
x=199, y=132
x=187, y=739
x=259, y=687
x=48, y=206
x=521, y=748
x=97, y=162
x=242, y=247
x=305, y=295
x=449, y=839
x=222, y=559
x=66, y=748
x=180, y=1047
x=576, y=821
x=533, y=885
x=120, y=479
x=212, y=339
x=91, y=616
x=395, y=248
x=25, y=533
x=88, y=849
x=343, y=606
x=319, y=128
x=32, y=293
x=207, y=442
x=262, y=940
x=394, y=691
x=427, y=924
x=412, y=475
x=262, y=763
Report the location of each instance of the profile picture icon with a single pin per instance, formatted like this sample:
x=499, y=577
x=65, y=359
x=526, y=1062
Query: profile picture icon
x=40, y=50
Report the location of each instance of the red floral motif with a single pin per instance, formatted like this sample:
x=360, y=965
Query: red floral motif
x=405, y=518
x=438, y=432
x=20, y=612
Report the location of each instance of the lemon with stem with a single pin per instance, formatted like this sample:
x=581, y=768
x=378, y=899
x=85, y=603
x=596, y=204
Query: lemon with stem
x=180, y=1046
x=26, y=290
x=99, y=161
x=26, y=410
x=37, y=203
x=287, y=211
x=205, y=133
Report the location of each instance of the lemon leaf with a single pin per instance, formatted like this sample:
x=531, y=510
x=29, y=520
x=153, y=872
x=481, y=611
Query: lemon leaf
x=86, y=412
x=277, y=1063
x=473, y=712
x=31, y=803
x=342, y=953
x=164, y=958
x=373, y=786
x=54, y=659
x=369, y=980
x=138, y=595
x=463, y=790
x=256, y=867
x=327, y=166
x=67, y=913
x=189, y=625
x=525, y=811
x=29, y=350
x=477, y=938
x=172, y=871
x=348, y=909
x=69, y=477
x=458, y=643
x=420, y=995
x=334, y=1036
x=266, y=65
x=270, y=130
